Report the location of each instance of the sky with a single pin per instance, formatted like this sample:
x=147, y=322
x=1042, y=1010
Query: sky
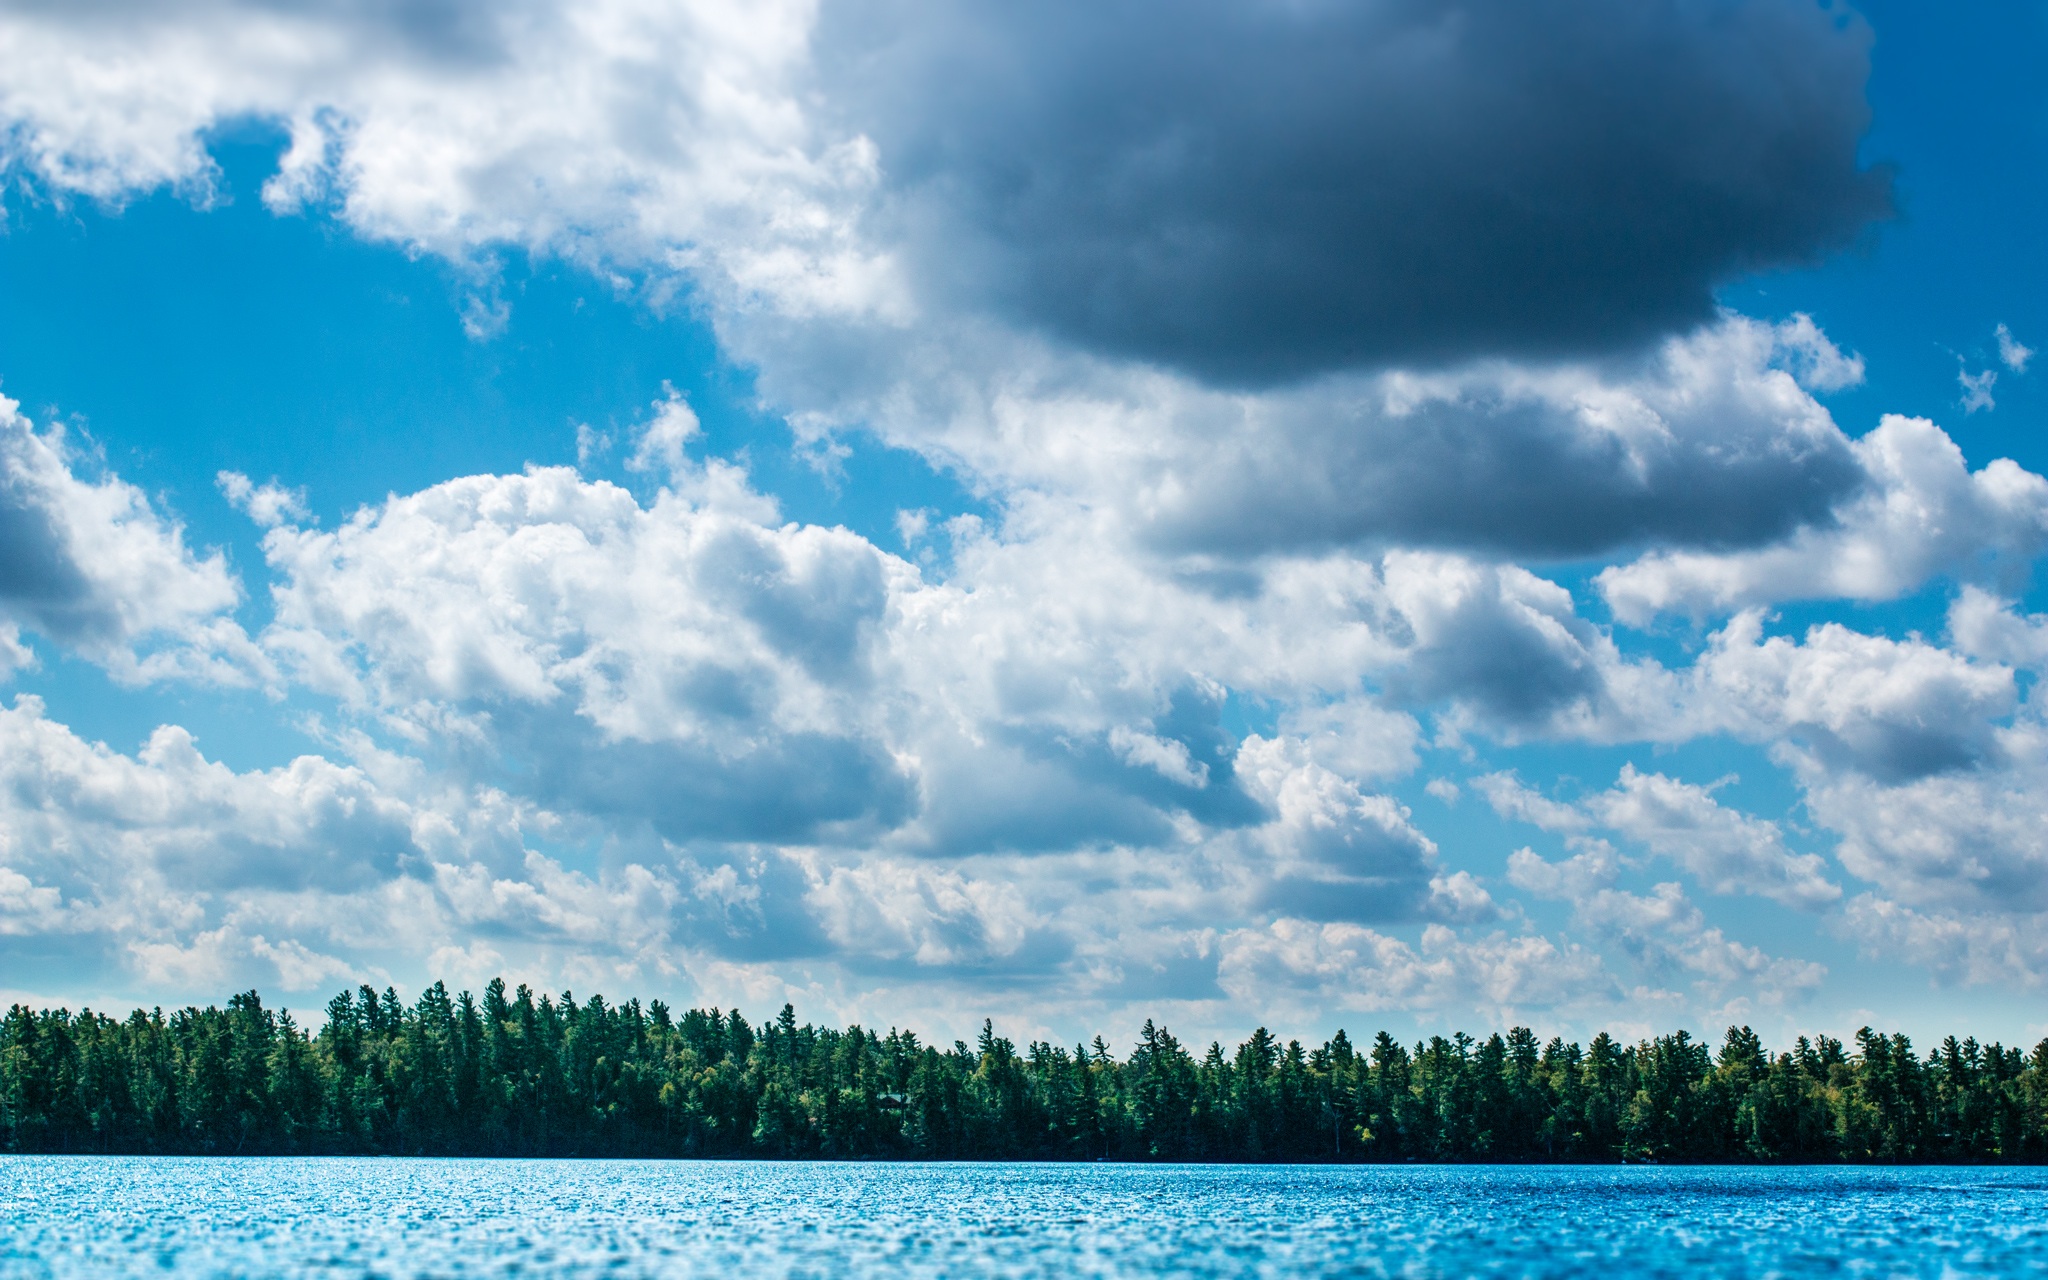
x=1402, y=514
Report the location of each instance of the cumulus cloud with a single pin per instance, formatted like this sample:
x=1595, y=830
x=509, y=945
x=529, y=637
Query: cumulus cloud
x=1572, y=879
x=1989, y=948
x=1920, y=512
x=1341, y=854
x=1724, y=850
x=1986, y=627
x=269, y=505
x=1497, y=639
x=664, y=440
x=680, y=662
x=1893, y=710
x=140, y=860
x=656, y=137
x=88, y=563
x=1247, y=193
x=680, y=665
x=883, y=911
x=1713, y=440
x=1960, y=841
x=1669, y=936
x=86, y=819
x=173, y=871
x=1348, y=966
x=1663, y=931
x=700, y=142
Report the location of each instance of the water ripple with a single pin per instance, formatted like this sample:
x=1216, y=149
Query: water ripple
x=184, y=1218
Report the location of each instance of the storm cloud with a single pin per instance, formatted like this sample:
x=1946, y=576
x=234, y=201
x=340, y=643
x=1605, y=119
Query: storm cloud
x=1253, y=193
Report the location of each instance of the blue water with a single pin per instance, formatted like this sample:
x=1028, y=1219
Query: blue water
x=86, y=1216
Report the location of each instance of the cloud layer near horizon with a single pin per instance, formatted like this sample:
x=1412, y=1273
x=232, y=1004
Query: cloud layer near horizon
x=612, y=736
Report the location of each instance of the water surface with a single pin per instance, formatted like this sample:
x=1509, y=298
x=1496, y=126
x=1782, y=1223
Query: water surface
x=178, y=1218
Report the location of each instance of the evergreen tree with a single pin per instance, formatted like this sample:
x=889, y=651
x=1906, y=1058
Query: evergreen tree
x=538, y=1075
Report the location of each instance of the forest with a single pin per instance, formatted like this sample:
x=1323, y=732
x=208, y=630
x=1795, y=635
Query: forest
x=519, y=1075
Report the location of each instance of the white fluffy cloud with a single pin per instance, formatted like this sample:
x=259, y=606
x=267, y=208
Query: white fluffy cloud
x=1724, y=850
x=1888, y=708
x=1998, y=949
x=1349, y=967
x=1663, y=932
x=1670, y=937
x=728, y=149
x=151, y=851
x=667, y=663
x=89, y=564
x=647, y=135
x=1338, y=853
x=1969, y=840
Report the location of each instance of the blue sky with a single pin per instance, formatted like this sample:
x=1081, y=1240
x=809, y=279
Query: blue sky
x=933, y=513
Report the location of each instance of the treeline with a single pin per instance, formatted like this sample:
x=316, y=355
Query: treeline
x=520, y=1075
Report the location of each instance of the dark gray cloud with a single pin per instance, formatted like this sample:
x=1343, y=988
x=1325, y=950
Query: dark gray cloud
x=1253, y=192
x=1895, y=754
x=1498, y=474
x=1504, y=665
x=790, y=787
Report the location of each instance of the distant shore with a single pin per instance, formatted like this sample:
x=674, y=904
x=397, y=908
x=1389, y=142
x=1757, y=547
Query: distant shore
x=516, y=1074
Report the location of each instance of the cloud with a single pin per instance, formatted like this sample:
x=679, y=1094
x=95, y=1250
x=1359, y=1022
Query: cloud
x=1714, y=440
x=1575, y=879
x=664, y=140
x=91, y=565
x=269, y=505
x=1253, y=194
x=1340, y=854
x=1893, y=710
x=663, y=440
x=89, y=820
x=927, y=916
x=1920, y=512
x=1977, y=389
x=1283, y=347
x=1669, y=936
x=680, y=665
x=1248, y=194
x=1980, y=948
x=1663, y=931
x=747, y=156
x=2013, y=354
x=693, y=665
x=1985, y=627
x=1724, y=850
x=172, y=868
x=1347, y=966
x=1499, y=640
x=1958, y=841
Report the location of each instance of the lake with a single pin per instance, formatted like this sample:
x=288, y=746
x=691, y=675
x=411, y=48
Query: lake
x=93, y=1216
